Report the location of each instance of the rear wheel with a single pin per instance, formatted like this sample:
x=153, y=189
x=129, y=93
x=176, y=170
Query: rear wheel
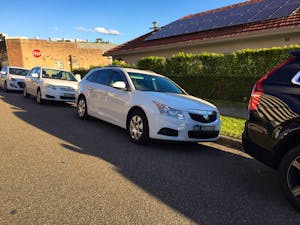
x=39, y=99
x=138, y=128
x=289, y=171
x=82, y=108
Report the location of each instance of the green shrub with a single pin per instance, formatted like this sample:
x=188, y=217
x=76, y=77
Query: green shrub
x=121, y=63
x=230, y=88
x=153, y=63
x=81, y=71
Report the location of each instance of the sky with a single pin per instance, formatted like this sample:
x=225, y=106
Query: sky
x=115, y=21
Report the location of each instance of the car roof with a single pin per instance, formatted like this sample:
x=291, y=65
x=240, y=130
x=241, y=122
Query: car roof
x=48, y=68
x=17, y=67
x=132, y=70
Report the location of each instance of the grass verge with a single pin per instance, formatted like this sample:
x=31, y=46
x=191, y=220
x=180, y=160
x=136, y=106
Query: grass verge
x=232, y=127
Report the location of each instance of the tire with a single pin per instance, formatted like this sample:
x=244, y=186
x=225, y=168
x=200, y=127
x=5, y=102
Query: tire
x=39, y=99
x=5, y=87
x=289, y=174
x=138, y=128
x=25, y=94
x=82, y=108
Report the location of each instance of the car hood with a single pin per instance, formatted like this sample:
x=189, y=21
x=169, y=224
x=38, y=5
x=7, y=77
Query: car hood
x=62, y=83
x=182, y=102
x=17, y=77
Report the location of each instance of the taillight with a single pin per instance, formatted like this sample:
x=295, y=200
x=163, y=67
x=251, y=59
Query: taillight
x=258, y=90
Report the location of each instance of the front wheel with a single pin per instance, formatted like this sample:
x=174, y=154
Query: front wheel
x=289, y=172
x=82, y=108
x=138, y=128
x=39, y=99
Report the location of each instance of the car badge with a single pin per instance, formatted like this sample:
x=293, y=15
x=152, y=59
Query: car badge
x=206, y=116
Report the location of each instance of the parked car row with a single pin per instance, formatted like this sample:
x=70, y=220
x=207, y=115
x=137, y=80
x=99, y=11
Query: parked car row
x=148, y=105
x=151, y=106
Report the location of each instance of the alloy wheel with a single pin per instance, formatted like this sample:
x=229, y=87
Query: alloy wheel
x=81, y=108
x=293, y=177
x=136, y=127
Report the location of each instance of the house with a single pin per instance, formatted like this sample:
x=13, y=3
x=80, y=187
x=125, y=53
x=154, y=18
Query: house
x=61, y=54
x=250, y=24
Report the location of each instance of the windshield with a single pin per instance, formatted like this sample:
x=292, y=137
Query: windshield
x=58, y=74
x=147, y=82
x=18, y=71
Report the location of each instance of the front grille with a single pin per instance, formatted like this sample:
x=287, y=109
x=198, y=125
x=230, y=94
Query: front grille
x=67, y=98
x=203, y=134
x=21, y=84
x=204, y=118
x=67, y=89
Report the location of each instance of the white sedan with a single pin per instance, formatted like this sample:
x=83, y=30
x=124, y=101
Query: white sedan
x=50, y=84
x=12, y=78
x=147, y=104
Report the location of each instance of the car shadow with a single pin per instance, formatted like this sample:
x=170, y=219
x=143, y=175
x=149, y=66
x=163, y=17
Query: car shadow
x=203, y=183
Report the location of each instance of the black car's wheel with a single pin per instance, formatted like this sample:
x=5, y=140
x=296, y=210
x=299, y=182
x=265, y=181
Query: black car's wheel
x=39, y=98
x=138, y=128
x=26, y=95
x=5, y=87
x=289, y=171
x=82, y=108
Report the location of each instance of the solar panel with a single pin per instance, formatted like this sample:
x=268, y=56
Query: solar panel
x=253, y=12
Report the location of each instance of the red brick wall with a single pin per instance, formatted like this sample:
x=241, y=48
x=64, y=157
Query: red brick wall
x=20, y=54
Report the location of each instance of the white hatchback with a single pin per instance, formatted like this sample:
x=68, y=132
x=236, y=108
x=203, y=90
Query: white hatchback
x=12, y=78
x=147, y=104
x=50, y=84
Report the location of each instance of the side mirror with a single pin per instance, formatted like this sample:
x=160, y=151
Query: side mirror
x=35, y=75
x=78, y=77
x=119, y=85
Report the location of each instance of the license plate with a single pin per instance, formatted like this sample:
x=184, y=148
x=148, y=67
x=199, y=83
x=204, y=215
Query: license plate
x=203, y=128
x=68, y=95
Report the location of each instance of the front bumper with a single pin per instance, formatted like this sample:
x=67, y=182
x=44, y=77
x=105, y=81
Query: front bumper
x=172, y=129
x=58, y=95
x=17, y=85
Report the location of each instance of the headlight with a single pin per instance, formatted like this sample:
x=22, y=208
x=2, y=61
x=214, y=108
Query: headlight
x=50, y=86
x=168, y=111
x=11, y=79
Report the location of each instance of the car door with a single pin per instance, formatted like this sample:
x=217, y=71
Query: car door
x=29, y=81
x=116, y=101
x=35, y=81
x=96, y=93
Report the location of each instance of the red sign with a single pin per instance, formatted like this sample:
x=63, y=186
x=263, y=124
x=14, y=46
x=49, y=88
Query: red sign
x=36, y=53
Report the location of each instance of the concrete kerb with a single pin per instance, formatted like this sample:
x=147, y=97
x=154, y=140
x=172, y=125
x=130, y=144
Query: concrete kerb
x=230, y=142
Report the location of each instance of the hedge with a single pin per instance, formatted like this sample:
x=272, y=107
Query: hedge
x=218, y=76
x=247, y=62
x=218, y=87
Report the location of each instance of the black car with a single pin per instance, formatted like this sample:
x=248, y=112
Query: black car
x=272, y=131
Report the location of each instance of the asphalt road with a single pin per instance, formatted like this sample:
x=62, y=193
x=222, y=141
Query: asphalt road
x=57, y=169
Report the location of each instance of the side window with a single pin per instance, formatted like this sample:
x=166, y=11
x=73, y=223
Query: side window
x=92, y=77
x=4, y=70
x=38, y=71
x=102, y=77
x=31, y=72
x=287, y=72
x=116, y=76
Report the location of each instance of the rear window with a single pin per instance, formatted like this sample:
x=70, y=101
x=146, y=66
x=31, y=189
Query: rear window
x=287, y=72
